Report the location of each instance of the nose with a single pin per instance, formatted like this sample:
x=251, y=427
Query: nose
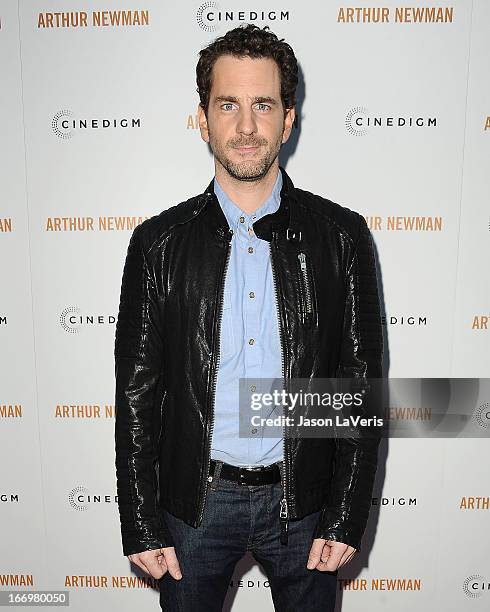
x=246, y=123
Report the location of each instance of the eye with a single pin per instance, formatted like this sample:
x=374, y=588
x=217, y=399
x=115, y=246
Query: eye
x=262, y=106
x=227, y=106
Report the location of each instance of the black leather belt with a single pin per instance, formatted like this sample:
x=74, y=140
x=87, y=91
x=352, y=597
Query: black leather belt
x=260, y=475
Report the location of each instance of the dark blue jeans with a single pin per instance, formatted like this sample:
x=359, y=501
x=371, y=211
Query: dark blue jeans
x=239, y=518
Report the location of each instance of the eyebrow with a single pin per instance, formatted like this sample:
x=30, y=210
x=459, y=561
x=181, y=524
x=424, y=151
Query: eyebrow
x=256, y=99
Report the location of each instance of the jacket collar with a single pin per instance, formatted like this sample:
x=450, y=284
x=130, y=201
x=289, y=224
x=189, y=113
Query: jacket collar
x=284, y=219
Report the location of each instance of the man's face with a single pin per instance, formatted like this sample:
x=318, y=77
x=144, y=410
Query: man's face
x=245, y=124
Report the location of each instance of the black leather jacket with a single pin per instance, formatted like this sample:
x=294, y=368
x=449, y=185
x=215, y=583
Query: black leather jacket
x=167, y=355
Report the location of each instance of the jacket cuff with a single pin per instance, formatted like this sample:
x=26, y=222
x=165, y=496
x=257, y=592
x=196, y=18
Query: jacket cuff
x=329, y=527
x=146, y=539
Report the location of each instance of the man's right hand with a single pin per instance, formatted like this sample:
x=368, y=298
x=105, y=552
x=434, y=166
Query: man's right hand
x=156, y=562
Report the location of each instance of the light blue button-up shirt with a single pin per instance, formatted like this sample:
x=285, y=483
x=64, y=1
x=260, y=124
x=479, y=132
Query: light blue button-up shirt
x=250, y=345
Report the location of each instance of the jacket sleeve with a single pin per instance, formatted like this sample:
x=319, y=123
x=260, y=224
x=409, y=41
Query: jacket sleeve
x=345, y=514
x=138, y=393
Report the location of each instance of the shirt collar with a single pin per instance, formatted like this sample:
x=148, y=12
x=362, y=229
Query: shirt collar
x=233, y=212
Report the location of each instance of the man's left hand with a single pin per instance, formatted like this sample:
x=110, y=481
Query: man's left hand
x=329, y=555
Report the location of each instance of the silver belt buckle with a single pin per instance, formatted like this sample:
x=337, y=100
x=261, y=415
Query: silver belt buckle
x=253, y=468
x=247, y=468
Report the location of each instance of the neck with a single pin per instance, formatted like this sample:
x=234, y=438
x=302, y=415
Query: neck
x=247, y=195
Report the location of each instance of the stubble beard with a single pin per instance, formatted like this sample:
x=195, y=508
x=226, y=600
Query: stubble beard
x=250, y=169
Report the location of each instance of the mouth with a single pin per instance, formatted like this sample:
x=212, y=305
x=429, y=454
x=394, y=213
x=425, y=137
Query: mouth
x=246, y=150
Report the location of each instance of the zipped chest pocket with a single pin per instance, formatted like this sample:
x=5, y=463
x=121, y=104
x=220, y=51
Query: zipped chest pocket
x=307, y=293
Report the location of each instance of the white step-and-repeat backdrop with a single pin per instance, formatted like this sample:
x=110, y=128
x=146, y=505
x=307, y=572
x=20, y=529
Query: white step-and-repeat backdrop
x=99, y=131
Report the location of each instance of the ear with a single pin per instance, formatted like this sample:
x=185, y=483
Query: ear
x=288, y=123
x=203, y=123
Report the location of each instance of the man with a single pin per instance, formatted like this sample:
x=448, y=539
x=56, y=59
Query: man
x=252, y=278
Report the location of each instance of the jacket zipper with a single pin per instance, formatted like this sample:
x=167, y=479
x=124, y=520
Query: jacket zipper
x=305, y=287
x=208, y=478
x=283, y=509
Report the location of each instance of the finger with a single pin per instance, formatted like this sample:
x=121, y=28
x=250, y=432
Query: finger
x=324, y=567
x=149, y=559
x=135, y=559
x=153, y=567
x=160, y=557
x=172, y=562
x=349, y=553
x=315, y=553
x=345, y=557
x=336, y=552
x=326, y=553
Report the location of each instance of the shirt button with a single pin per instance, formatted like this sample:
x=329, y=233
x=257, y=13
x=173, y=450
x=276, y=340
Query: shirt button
x=251, y=341
x=252, y=388
x=242, y=219
x=254, y=430
x=251, y=294
x=250, y=249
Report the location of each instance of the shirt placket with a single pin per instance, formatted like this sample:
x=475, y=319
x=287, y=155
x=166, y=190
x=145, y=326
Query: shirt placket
x=247, y=243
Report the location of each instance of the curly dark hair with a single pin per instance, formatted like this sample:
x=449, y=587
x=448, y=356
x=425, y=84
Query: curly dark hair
x=249, y=40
